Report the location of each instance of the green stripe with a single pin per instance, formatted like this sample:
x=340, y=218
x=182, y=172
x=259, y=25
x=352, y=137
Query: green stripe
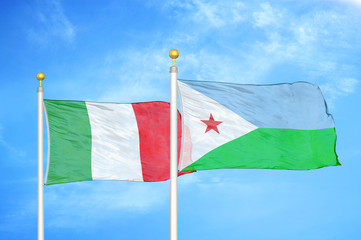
x=70, y=142
x=269, y=148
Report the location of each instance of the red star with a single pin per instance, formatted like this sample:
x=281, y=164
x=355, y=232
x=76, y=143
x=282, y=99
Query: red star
x=211, y=124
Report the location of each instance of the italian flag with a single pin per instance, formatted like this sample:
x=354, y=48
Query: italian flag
x=282, y=126
x=108, y=141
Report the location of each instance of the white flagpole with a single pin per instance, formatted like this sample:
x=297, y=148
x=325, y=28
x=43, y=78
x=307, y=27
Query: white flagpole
x=173, y=148
x=40, y=76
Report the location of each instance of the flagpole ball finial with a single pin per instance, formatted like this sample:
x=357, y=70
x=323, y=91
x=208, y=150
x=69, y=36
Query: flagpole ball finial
x=40, y=76
x=174, y=55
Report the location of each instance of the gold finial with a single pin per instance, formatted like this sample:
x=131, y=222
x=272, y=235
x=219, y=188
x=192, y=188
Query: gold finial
x=40, y=76
x=173, y=54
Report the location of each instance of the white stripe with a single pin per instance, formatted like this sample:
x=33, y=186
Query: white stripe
x=196, y=107
x=115, y=142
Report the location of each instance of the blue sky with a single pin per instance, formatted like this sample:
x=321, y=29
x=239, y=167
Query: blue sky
x=118, y=51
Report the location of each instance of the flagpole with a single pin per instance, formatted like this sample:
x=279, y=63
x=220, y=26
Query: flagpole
x=173, y=148
x=40, y=76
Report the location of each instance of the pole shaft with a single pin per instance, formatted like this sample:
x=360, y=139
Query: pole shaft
x=173, y=155
x=40, y=165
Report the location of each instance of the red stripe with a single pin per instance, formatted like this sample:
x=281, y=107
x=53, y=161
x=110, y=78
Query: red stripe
x=153, y=120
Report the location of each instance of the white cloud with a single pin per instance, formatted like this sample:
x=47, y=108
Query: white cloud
x=301, y=40
x=217, y=15
x=305, y=41
x=338, y=88
x=135, y=76
x=353, y=2
x=52, y=24
x=304, y=34
x=268, y=16
x=347, y=85
x=214, y=14
x=311, y=42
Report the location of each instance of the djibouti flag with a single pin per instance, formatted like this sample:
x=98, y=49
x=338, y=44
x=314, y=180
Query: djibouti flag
x=281, y=126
